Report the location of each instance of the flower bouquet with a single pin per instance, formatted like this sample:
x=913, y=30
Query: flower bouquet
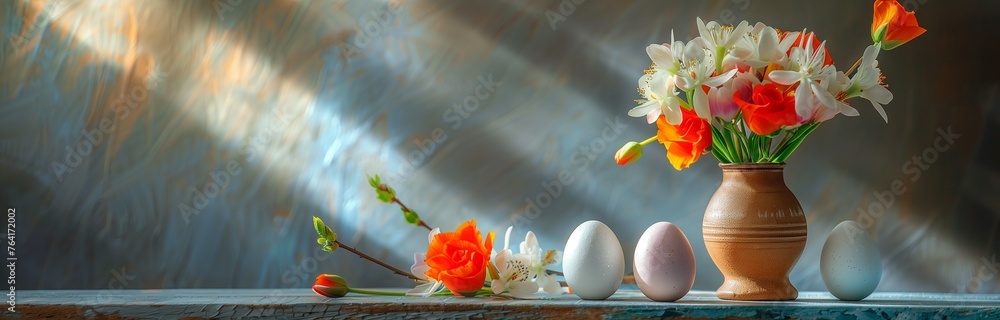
x=750, y=95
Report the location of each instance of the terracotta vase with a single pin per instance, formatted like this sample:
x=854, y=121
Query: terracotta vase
x=754, y=230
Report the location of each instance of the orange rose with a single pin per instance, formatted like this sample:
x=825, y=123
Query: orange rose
x=685, y=142
x=458, y=259
x=892, y=25
x=769, y=111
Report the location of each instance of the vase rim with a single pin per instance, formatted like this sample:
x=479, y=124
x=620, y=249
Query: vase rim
x=751, y=166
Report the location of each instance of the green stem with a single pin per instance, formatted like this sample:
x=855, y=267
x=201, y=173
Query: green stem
x=719, y=146
x=765, y=147
x=685, y=104
x=376, y=292
x=795, y=141
x=738, y=140
x=446, y=292
x=784, y=143
x=733, y=145
x=647, y=141
x=719, y=142
x=720, y=53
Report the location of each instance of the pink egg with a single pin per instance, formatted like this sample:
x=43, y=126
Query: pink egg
x=664, y=264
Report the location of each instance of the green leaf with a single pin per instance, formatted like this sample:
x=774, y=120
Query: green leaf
x=719, y=149
x=321, y=241
x=321, y=227
x=330, y=235
x=375, y=181
x=796, y=140
x=718, y=155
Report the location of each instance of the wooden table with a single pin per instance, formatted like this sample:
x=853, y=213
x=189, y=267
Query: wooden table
x=304, y=304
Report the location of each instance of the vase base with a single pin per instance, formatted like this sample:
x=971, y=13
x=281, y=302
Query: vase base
x=750, y=290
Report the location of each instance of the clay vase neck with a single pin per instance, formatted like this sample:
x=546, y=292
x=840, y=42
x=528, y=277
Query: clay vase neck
x=755, y=231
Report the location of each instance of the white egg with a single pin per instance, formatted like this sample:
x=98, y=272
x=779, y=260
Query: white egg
x=850, y=262
x=664, y=263
x=593, y=261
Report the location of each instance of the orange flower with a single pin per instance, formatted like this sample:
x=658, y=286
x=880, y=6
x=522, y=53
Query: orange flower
x=769, y=111
x=685, y=142
x=892, y=25
x=458, y=259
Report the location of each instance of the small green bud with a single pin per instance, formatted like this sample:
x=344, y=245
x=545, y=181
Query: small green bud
x=410, y=216
x=385, y=193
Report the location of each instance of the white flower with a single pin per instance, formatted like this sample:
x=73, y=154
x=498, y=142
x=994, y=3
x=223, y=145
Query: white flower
x=724, y=43
x=715, y=36
x=661, y=98
x=698, y=72
x=806, y=68
x=657, y=87
x=419, y=269
x=765, y=47
x=515, y=276
x=663, y=57
x=818, y=112
x=867, y=82
x=514, y=272
x=540, y=260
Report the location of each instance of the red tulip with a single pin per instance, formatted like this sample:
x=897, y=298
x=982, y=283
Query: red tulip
x=332, y=286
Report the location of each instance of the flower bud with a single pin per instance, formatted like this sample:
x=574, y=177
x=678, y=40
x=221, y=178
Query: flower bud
x=892, y=25
x=329, y=285
x=629, y=153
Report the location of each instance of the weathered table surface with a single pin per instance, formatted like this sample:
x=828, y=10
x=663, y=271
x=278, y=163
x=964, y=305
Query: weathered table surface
x=304, y=304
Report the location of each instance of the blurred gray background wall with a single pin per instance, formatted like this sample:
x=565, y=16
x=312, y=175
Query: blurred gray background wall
x=306, y=98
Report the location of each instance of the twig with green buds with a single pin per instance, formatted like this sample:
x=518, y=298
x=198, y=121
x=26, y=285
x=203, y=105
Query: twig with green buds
x=386, y=194
x=328, y=239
